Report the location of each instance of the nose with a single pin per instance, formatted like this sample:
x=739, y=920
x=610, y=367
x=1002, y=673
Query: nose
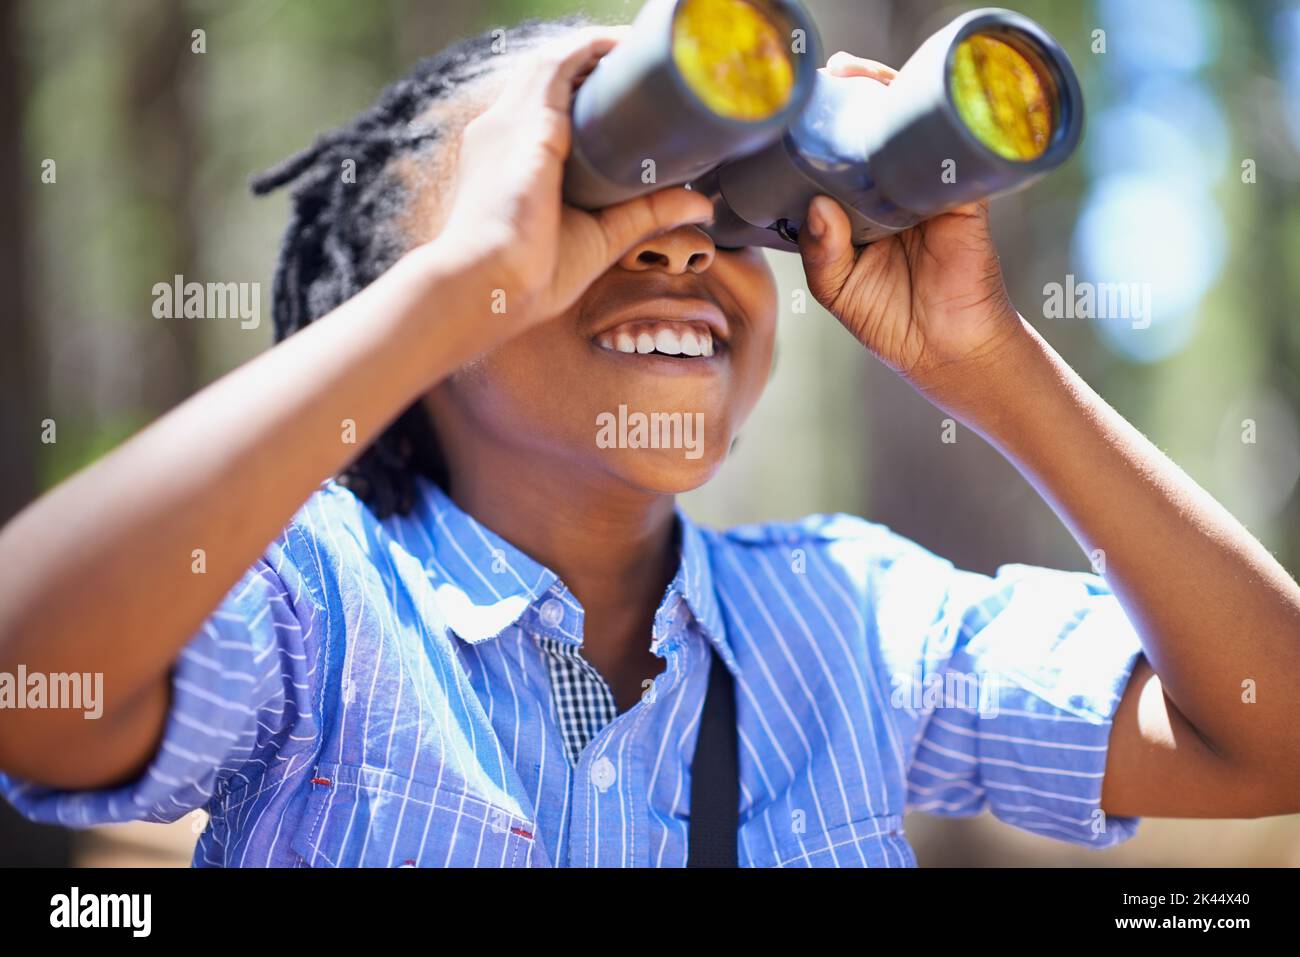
x=681, y=250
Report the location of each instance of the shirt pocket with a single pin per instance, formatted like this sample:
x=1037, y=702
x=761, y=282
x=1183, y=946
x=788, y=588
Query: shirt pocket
x=866, y=842
x=366, y=817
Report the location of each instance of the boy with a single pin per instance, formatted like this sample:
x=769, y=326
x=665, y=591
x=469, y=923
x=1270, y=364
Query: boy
x=488, y=642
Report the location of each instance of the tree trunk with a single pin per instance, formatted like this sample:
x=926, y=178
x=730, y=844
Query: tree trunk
x=21, y=382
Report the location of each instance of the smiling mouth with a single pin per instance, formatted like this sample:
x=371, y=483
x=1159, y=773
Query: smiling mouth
x=677, y=339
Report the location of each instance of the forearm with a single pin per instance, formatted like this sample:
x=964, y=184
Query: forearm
x=100, y=573
x=1213, y=608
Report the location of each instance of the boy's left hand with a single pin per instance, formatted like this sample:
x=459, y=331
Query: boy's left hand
x=925, y=301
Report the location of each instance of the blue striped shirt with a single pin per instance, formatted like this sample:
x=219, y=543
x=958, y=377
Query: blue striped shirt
x=374, y=693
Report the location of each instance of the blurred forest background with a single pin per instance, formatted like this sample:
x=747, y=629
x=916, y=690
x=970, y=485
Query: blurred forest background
x=1188, y=179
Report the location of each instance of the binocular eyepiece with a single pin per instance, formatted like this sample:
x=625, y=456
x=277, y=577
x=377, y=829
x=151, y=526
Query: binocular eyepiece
x=725, y=96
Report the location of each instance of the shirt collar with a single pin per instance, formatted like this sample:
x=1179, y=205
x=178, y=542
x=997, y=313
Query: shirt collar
x=484, y=584
x=694, y=582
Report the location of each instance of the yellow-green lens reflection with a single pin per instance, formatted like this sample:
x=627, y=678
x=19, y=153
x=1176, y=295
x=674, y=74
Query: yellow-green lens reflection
x=1002, y=98
x=733, y=57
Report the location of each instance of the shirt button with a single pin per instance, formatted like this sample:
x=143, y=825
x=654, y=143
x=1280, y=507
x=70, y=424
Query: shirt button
x=602, y=773
x=552, y=612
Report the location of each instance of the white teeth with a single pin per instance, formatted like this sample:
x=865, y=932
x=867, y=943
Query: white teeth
x=677, y=339
x=666, y=342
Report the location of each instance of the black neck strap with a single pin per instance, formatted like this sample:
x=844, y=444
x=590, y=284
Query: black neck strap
x=715, y=777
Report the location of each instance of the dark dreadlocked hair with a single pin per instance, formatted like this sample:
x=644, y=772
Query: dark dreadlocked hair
x=342, y=236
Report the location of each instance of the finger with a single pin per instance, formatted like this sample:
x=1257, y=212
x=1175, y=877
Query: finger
x=628, y=223
x=826, y=247
x=978, y=209
x=617, y=33
x=560, y=65
x=846, y=64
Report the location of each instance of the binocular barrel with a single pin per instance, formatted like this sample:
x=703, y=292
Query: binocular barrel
x=985, y=106
x=695, y=83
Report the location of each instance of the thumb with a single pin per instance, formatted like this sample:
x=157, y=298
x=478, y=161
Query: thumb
x=826, y=249
x=628, y=223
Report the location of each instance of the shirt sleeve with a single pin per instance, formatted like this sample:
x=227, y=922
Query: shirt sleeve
x=1013, y=694
x=241, y=692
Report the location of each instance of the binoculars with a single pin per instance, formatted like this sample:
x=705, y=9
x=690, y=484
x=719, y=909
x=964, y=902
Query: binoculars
x=725, y=96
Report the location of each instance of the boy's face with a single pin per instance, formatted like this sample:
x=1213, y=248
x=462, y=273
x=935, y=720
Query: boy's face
x=566, y=394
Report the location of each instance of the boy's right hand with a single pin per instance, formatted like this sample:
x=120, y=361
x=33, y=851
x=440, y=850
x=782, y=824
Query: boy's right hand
x=508, y=221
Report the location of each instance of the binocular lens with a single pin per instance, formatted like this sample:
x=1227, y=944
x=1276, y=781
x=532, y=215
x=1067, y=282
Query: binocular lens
x=1005, y=96
x=733, y=57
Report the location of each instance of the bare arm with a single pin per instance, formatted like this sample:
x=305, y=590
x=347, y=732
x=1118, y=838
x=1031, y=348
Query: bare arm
x=98, y=572
x=1213, y=608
